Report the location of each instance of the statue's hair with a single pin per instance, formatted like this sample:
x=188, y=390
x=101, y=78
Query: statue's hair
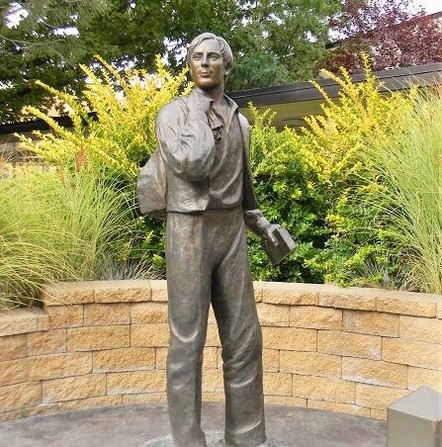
x=224, y=47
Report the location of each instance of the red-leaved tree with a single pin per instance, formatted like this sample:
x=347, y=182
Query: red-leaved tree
x=394, y=33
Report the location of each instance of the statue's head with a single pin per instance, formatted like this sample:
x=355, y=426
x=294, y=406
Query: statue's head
x=210, y=60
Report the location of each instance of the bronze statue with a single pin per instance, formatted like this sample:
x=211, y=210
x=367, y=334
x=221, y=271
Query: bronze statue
x=203, y=144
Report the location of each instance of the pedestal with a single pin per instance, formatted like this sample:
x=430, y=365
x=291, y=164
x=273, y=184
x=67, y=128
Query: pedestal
x=415, y=420
x=213, y=437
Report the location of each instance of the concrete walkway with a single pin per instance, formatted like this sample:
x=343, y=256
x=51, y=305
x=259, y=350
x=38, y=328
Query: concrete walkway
x=136, y=425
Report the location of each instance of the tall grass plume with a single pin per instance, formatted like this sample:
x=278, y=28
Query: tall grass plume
x=55, y=226
x=410, y=166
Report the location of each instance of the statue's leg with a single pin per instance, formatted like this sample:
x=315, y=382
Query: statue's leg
x=235, y=309
x=188, y=284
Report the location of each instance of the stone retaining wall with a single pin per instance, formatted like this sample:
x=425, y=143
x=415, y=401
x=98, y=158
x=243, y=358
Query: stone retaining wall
x=346, y=350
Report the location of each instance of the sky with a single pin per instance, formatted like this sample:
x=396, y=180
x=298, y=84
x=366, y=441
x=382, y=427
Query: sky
x=430, y=5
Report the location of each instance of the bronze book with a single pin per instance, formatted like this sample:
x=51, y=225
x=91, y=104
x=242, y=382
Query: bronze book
x=286, y=244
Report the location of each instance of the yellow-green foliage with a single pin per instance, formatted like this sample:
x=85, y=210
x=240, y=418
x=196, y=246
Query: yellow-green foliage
x=276, y=155
x=410, y=171
x=315, y=180
x=123, y=134
x=323, y=182
x=73, y=217
x=271, y=150
x=340, y=146
x=338, y=142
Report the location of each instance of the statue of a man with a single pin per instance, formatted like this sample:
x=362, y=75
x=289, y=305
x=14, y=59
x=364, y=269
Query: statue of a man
x=204, y=141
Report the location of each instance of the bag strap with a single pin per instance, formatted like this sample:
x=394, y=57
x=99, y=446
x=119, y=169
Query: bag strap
x=249, y=197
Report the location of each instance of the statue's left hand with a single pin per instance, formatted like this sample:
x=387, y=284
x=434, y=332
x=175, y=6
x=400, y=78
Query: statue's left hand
x=256, y=221
x=268, y=233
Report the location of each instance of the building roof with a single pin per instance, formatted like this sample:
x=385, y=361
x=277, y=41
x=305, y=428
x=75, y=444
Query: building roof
x=291, y=102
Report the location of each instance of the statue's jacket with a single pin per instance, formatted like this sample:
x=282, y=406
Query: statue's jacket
x=187, y=144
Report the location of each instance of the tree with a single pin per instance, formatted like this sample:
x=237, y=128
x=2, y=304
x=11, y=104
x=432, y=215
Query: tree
x=394, y=33
x=47, y=40
x=274, y=41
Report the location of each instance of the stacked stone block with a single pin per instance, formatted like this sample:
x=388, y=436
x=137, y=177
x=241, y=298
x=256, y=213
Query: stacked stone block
x=105, y=343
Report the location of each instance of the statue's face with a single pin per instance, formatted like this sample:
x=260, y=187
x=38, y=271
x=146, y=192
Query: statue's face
x=207, y=66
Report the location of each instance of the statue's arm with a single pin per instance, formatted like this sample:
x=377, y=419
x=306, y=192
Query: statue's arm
x=186, y=140
x=253, y=216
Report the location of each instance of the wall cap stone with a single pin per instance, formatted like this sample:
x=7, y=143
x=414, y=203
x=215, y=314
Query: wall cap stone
x=87, y=292
x=409, y=303
x=23, y=321
x=324, y=295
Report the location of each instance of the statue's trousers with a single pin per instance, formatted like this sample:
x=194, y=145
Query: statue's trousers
x=206, y=261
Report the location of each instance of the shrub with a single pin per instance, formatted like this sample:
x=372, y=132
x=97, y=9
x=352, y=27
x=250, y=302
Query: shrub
x=321, y=184
x=115, y=140
x=121, y=131
x=339, y=146
x=286, y=189
x=336, y=184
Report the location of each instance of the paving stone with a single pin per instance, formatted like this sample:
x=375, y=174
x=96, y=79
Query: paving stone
x=138, y=425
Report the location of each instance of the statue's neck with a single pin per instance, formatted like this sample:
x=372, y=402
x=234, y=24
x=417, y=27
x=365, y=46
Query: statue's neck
x=216, y=94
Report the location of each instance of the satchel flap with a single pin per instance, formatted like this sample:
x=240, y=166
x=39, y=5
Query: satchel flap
x=152, y=185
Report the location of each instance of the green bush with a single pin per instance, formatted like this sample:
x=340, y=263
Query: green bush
x=77, y=218
x=121, y=131
x=320, y=183
x=340, y=147
x=388, y=224
x=287, y=193
x=114, y=141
